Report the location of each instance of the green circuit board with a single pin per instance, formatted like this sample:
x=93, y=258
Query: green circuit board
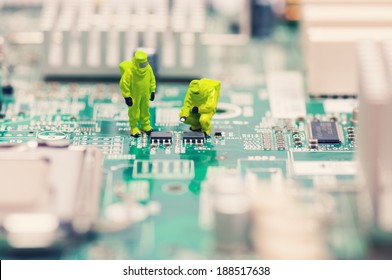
x=249, y=139
x=253, y=132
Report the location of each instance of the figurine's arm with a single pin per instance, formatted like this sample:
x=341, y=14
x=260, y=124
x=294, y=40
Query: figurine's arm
x=187, y=107
x=208, y=107
x=153, y=83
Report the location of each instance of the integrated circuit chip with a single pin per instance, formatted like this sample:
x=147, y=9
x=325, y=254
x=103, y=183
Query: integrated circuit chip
x=325, y=132
x=218, y=133
x=193, y=136
x=161, y=137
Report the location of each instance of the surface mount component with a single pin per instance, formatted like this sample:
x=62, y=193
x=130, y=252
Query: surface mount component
x=313, y=143
x=161, y=137
x=325, y=132
x=193, y=137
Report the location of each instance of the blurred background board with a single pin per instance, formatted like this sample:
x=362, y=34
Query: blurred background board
x=276, y=179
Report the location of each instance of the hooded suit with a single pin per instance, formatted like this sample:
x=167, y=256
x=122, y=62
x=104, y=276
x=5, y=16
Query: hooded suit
x=138, y=82
x=203, y=94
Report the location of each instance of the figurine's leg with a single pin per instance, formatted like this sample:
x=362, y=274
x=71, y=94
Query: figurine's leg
x=134, y=116
x=145, y=114
x=193, y=120
x=205, y=122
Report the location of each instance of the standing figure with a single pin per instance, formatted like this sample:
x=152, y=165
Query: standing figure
x=200, y=104
x=138, y=85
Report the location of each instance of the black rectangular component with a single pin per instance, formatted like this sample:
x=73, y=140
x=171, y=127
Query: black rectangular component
x=160, y=136
x=193, y=136
x=325, y=132
x=218, y=133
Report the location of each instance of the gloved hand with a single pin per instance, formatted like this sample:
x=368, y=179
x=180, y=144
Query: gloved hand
x=152, y=97
x=195, y=110
x=129, y=101
x=182, y=119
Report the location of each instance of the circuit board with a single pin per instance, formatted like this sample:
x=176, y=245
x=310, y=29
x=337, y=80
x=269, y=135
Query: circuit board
x=267, y=130
x=248, y=138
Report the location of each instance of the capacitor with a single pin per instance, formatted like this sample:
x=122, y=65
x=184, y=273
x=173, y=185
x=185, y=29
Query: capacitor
x=355, y=115
x=313, y=143
x=298, y=143
x=231, y=213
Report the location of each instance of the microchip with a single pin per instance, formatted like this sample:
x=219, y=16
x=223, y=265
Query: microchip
x=161, y=137
x=193, y=136
x=218, y=133
x=325, y=132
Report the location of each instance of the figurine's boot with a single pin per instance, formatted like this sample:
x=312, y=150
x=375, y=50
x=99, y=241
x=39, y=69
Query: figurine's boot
x=147, y=129
x=135, y=132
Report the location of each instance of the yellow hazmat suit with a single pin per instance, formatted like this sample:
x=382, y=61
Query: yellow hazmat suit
x=200, y=104
x=138, y=86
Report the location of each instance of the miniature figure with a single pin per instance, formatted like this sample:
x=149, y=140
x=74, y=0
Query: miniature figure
x=200, y=104
x=138, y=86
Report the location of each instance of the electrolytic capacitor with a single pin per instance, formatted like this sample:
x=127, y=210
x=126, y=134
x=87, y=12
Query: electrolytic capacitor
x=231, y=213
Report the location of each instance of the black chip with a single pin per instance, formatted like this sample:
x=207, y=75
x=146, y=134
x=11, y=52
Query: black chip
x=193, y=136
x=8, y=89
x=160, y=136
x=325, y=132
x=218, y=133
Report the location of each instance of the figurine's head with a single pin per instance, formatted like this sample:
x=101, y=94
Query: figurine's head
x=140, y=60
x=194, y=86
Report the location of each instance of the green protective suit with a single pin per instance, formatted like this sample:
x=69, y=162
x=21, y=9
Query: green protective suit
x=203, y=94
x=138, y=83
